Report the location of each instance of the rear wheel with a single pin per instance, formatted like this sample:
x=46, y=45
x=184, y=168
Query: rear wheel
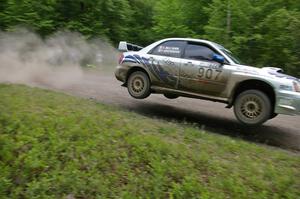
x=138, y=85
x=252, y=107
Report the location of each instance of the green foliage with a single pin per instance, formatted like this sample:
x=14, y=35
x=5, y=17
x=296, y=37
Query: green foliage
x=261, y=33
x=246, y=27
x=57, y=146
x=116, y=15
x=170, y=20
x=77, y=15
x=36, y=14
x=235, y=12
x=140, y=24
x=281, y=31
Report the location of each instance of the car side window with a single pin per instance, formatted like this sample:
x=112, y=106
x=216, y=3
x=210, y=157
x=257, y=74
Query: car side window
x=170, y=49
x=198, y=52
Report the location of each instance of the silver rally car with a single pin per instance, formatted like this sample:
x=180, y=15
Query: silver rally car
x=205, y=70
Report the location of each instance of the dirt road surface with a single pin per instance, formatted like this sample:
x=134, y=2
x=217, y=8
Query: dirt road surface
x=283, y=131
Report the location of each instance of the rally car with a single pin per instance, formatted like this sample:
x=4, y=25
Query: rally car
x=180, y=67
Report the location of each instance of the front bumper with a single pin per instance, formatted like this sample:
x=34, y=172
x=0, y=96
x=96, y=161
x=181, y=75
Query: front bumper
x=288, y=103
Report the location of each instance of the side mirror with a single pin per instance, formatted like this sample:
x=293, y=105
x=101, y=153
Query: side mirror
x=218, y=58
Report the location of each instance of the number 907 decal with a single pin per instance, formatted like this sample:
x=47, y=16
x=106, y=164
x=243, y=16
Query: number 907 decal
x=209, y=73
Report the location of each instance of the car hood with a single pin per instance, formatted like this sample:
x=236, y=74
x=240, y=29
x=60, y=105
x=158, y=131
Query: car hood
x=279, y=73
x=267, y=71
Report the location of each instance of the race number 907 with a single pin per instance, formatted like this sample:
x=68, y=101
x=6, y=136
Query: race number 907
x=209, y=73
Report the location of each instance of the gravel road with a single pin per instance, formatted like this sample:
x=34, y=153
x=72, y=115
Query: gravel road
x=283, y=131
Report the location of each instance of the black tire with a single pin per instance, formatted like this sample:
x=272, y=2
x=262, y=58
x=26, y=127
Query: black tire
x=273, y=115
x=171, y=96
x=252, y=108
x=138, y=85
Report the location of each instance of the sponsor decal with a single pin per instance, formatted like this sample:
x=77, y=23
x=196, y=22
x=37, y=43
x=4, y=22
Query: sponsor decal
x=167, y=50
x=210, y=65
x=154, y=67
x=169, y=62
x=247, y=70
x=281, y=75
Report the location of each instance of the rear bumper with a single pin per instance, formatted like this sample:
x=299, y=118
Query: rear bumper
x=288, y=103
x=121, y=73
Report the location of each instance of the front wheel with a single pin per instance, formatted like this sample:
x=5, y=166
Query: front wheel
x=273, y=115
x=252, y=107
x=138, y=85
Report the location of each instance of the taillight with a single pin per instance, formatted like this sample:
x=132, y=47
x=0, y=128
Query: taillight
x=121, y=58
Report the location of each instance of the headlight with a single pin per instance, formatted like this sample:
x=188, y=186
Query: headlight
x=297, y=86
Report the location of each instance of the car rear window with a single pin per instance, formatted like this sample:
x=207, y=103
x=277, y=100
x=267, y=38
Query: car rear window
x=170, y=49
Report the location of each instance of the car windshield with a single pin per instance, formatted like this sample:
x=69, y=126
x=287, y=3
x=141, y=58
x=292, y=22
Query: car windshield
x=229, y=54
x=232, y=57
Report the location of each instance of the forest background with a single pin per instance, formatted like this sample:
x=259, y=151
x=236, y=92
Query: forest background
x=260, y=33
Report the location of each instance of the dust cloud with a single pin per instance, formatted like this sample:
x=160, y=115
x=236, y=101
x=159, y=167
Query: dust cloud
x=58, y=61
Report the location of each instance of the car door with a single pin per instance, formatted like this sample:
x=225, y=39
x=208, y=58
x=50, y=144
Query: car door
x=165, y=62
x=199, y=74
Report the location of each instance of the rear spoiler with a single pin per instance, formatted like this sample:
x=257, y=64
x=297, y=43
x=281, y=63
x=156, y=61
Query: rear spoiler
x=125, y=47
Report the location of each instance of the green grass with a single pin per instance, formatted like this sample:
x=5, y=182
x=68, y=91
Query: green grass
x=55, y=146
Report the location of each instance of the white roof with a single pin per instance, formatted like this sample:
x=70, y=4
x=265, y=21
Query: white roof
x=215, y=45
x=189, y=39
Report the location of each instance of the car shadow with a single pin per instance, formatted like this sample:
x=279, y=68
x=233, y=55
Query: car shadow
x=265, y=134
